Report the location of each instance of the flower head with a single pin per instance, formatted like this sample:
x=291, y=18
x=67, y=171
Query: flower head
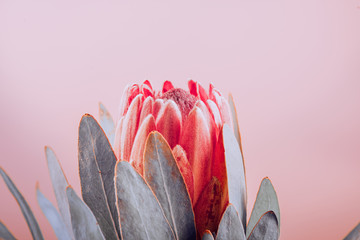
x=190, y=121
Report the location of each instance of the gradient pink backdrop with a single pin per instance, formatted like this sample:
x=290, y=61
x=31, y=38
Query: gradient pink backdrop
x=292, y=66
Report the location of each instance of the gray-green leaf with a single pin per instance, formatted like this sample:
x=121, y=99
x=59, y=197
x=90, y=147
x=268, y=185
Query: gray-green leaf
x=5, y=233
x=141, y=216
x=96, y=166
x=24, y=206
x=53, y=217
x=266, y=228
x=164, y=177
x=59, y=183
x=354, y=234
x=230, y=226
x=83, y=221
x=235, y=173
x=207, y=236
x=266, y=200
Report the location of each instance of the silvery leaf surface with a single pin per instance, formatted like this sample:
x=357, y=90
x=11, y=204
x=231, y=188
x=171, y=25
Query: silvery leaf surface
x=24, y=206
x=141, y=216
x=235, y=171
x=83, y=221
x=266, y=228
x=207, y=236
x=59, y=183
x=96, y=167
x=235, y=121
x=354, y=234
x=5, y=233
x=266, y=200
x=164, y=177
x=230, y=226
x=53, y=217
x=107, y=123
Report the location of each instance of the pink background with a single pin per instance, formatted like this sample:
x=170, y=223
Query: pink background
x=292, y=66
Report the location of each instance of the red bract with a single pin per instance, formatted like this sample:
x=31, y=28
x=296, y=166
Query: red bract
x=190, y=121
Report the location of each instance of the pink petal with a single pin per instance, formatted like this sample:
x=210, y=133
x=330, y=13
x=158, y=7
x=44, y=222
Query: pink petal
x=185, y=169
x=157, y=106
x=222, y=104
x=124, y=101
x=167, y=86
x=129, y=128
x=137, y=152
x=146, y=109
x=214, y=110
x=117, y=141
x=210, y=121
x=168, y=122
x=197, y=90
x=196, y=141
x=146, y=89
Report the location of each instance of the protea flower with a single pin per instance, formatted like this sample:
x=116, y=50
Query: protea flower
x=172, y=169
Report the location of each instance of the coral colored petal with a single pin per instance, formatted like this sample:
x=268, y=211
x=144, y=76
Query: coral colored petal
x=146, y=89
x=225, y=111
x=214, y=110
x=196, y=141
x=168, y=122
x=146, y=108
x=129, y=128
x=117, y=142
x=157, y=106
x=193, y=88
x=124, y=101
x=167, y=86
x=137, y=152
x=185, y=169
x=210, y=121
x=202, y=93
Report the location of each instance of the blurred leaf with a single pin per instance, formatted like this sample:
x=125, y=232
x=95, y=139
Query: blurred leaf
x=83, y=221
x=230, y=226
x=53, y=216
x=165, y=179
x=96, y=166
x=209, y=207
x=25, y=209
x=235, y=171
x=5, y=233
x=265, y=228
x=354, y=234
x=141, y=216
x=59, y=183
x=235, y=121
x=207, y=236
x=266, y=200
x=107, y=123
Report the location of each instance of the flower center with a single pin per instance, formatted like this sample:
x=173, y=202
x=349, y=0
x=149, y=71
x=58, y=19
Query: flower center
x=182, y=98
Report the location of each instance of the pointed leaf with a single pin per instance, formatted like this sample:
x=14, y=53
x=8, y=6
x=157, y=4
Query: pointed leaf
x=266, y=200
x=165, y=179
x=96, y=167
x=5, y=233
x=141, y=216
x=265, y=228
x=230, y=226
x=235, y=171
x=107, y=123
x=235, y=121
x=354, y=234
x=53, y=216
x=83, y=221
x=59, y=183
x=24, y=206
x=207, y=236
